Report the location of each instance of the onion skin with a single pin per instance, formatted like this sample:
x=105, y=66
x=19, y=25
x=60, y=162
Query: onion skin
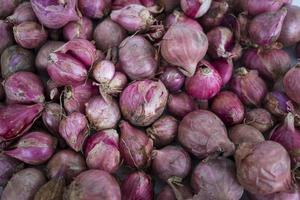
x=225, y=69
x=259, y=118
x=8, y=167
x=257, y=6
x=81, y=29
x=228, y=107
x=294, y=194
x=207, y=138
x=6, y=36
x=24, y=87
x=242, y=133
x=16, y=119
x=137, y=185
x=56, y=14
x=179, y=105
x=102, y=151
x=95, y=9
x=135, y=146
x=118, y=4
x=143, y=102
x=256, y=161
x=277, y=103
x=24, y=184
x=52, y=190
x=22, y=13
x=290, y=83
x=52, y=115
x=173, y=79
x=8, y=7
x=167, y=193
x=195, y=8
x=216, y=179
x=14, y=59
x=83, y=187
x=138, y=58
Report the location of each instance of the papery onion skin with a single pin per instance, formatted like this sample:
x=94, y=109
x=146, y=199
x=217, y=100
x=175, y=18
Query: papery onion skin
x=137, y=185
x=242, y=133
x=257, y=6
x=53, y=189
x=208, y=137
x=82, y=29
x=260, y=119
x=22, y=13
x=118, y=4
x=142, y=102
x=6, y=36
x=138, y=58
x=52, y=115
x=172, y=78
x=290, y=83
x=277, y=103
x=8, y=167
x=195, y=8
x=179, y=17
x=95, y=9
x=225, y=69
x=167, y=193
x=294, y=194
x=135, y=146
x=181, y=104
x=83, y=187
x=216, y=179
x=8, y=7
x=255, y=161
x=103, y=71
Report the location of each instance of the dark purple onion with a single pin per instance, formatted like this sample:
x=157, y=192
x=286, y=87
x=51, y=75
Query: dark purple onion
x=278, y=104
x=22, y=13
x=290, y=83
x=135, y=146
x=6, y=35
x=195, y=8
x=224, y=67
x=260, y=119
x=137, y=185
x=95, y=9
x=83, y=29
x=167, y=193
x=172, y=78
x=181, y=104
x=242, y=133
x=7, y=7
x=52, y=115
x=8, y=167
x=255, y=7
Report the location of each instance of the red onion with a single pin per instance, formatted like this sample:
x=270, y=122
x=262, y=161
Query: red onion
x=205, y=83
x=30, y=34
x=207, y=138
x=7, y=7
x=195, y=8
x=95, y=9
x=118, y=4
x=181, y=104
x=290, y=33
x=2, y=92
x=52, y=115
x=52, y=189
x=277, y=103
x=163, y=131
x=66, y=163
x=216, y=179
x=66, y=70
x=137, y=185
x=142, y=102
x=290, y=83
x=6, y=36
x=171, y=161
x=228, y=107
x=34, y=148
x=271, y=64
x=14, y=59
x=294, y=194
x=184, y=46
x=16, y=119
x=135, y=146
x=22, y=13
x=83, y=29
x=24, y=184
x=8, y=167
x=102, y=151
x=108, y=34
x=167, y=193
x=260, y=119
x=74, y=129
x=24, y=87
x=102, y=113
x=241, y=133
x=265, y=28
x=75, y=97
x=169, y=5
x=250, y=88
x=138, y=58
x=83, y=187
x=255, y=7
x=55, y=14
x=268, y=162
x=133, y=17
x=172, y=78
x=224, y=67
x=179, y=17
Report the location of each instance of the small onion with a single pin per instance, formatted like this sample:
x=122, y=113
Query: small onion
x=195, y=8
x=255, y=7
x=242, y=133
x=181, y=104
x=167, y=193
x=290, y=83
x=277, y=103
x=52, y=115
x=82, y=29
x=224, y=67
x=95, y=9
x=8, y=167
x=260, y=119
x=53, y=189
x=22, y=13
x=6, y=35
x=172, y=78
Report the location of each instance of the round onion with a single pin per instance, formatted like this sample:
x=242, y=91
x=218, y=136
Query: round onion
x=181, y=104
x=260, y=119
x=172, y=78
x=95, y=9
x=6, y=36
x=277, y=103
x=290, y=83
x=195, y=8
x=241, y=133
x=22, y=13
x=83, y=29
x=52, y=115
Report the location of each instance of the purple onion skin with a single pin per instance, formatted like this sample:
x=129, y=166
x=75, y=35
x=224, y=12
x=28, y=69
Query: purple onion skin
x=260, y=119
x=24, y=184
x=242, y=133
x=271, y=64
x=277, y=103
x=22, y=13
x=14, y=59
x=171, y=161
x=257, y=6
x=65, y=163
x=135, y=146
x=108, y=34
x=138, y=58
x=143, y=102
x=55, y=14
x=52, y=115
x=179, y=17
x=290, y=83
x=30, y=34
x=6, y=36
x=83, y=187
x=195, y=8
x=16, y=119
x=179, y=105
x=225, y=69
x=8, y=7
x=118, y=4
x=249, y=87
x=173, y=79
x=169, y=5
x=167, y=193
x=24, y=87
x=53, y=90
x=102, y=151
x=8, y=167
x=290, y=195
x=137, y=185
x=207, y=138
x=74, y=129
x=216, y=179
x=228, y=107
x=265, y=28
x=102, y=113
x=254, y=161
x=290, y=33
x=34, y=148
x=95, y=9
x=83, y=29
